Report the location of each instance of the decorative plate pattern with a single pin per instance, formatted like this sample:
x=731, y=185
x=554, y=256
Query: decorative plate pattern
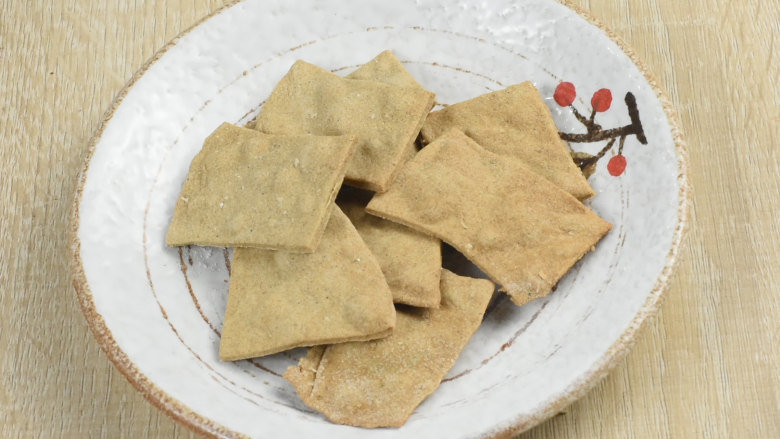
x=157, y=311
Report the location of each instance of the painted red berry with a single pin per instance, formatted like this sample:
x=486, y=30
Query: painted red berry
x=601, y=100
x=565, y=94
x=617, y=165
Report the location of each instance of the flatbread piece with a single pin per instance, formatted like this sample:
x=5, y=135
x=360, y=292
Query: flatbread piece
x=514, y=122
x=386, y=68
x=519, y=228
x=380, y=383
x=410, y=260
x=281, y=300
x=249, y=189
x=385, y=118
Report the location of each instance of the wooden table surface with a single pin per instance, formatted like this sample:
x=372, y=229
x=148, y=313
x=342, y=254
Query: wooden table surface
x=708, y=365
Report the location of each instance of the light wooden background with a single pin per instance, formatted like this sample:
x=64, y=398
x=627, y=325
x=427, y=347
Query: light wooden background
x=707, y=366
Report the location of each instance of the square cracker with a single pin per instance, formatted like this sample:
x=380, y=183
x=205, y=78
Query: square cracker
x=519, y=228
x=385, y=118
x=249, y=189
x=514, y=122
x=280, y=300
x=380, y=383
x=386, y=68
x=410, y=260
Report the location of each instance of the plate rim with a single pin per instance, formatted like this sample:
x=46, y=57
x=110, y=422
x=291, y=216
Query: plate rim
x=576, y=390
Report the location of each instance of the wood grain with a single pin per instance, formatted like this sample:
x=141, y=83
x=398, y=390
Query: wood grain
x=707, y=366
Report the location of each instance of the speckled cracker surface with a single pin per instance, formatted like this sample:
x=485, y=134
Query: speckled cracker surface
x=514, y=122
x=410, y=260
x=385, y=118
x=380, y=383
x=519, y=228
x=281, y=300
x=249, y=189
x=386, y=68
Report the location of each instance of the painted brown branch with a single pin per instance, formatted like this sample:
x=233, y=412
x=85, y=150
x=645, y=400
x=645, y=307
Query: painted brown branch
x=597, y=135
x=589, y=123
x=585, y=161
x=592, y=125
x=633, y=113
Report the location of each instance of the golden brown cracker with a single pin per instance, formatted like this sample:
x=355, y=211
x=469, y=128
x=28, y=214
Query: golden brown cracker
x=410, y=260
x=514, y=122
x=385, y=118
x=249, y=189
x=281, y=300
x=379, y=383
x=519, y=228
x=386, y=68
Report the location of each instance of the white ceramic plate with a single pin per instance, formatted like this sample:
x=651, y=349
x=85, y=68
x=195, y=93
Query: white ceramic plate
x=157, y=311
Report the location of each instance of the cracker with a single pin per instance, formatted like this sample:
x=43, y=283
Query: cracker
x=516, y=226
x=249, y=189
x=410, y=260
x=280, y=300
x=385, y=118
x=514, y=122
x=386, y=68
x=380, y=383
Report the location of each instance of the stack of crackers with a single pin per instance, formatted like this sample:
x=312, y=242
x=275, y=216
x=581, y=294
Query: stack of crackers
x=357, y=273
